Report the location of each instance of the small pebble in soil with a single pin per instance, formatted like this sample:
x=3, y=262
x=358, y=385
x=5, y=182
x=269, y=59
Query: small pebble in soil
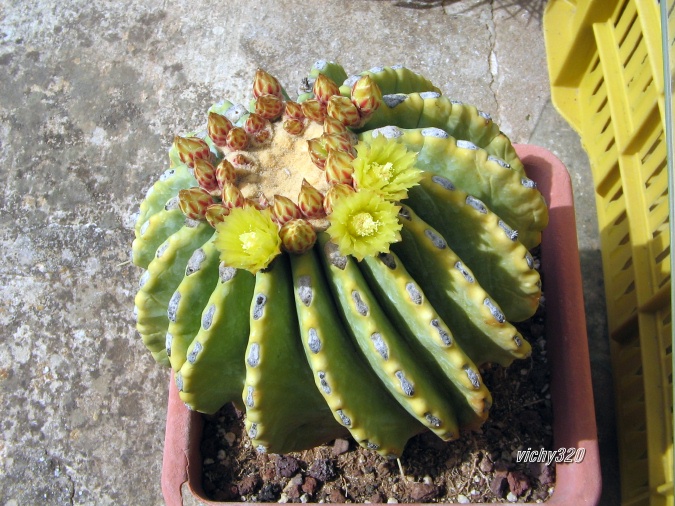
x=286, y=465
x=323, y=470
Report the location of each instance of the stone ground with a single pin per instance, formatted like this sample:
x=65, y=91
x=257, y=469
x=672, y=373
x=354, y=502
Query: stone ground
x=92, y=93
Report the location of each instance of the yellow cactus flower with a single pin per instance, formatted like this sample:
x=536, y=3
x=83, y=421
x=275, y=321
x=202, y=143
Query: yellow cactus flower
x=247, y=238
x=364, y=224
x=385, y=167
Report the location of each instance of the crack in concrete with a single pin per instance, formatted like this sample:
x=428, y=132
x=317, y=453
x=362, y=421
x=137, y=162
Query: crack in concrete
x=493, y=64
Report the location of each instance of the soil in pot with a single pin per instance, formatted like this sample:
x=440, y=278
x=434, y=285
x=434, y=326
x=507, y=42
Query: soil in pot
x=480, y=467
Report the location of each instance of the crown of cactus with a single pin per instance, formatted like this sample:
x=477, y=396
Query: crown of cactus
x=363, y=297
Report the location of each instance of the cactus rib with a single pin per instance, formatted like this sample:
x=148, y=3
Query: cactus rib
x=199, y=281
x=506, y=192
x=413, y=315
x=214, y=371
x=284, y=410
x=373, y=417
x=159, y=283
x=502, y=265
x=475, y=319
x=387, y=353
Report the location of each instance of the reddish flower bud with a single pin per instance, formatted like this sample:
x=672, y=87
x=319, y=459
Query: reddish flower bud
x=231, y=196
x=218, y=126
x=240, y=161
x=293, y=110
x=297, y=236
x=189, y=148
x=338, y=167
x=225, y=173
x=237, y=139
x=366, y=96
x=317, y=151
x=324, y=88
x=333, y=126
x=342, y=109
x=314, y=110
x=269, y=107
x=194, y=202
x=254, y=123
x=215, y=213
x=340, y=142
x=285, y=210
x=294, y=126
x=335, y=192
x=310, y=201
x=205, y=174
x=265, y=84
x=260, y=202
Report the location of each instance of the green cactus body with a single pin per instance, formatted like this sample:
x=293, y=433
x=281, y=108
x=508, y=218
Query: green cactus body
x=156, y=298
x=373, y=417
x=386, y=352
x=506, y=192
x=431, y=110
x=155, y=231
x=284, y=409
x=214, y=371
x=417, y=320
x=477, y=322
x=201, y=276
x=330, y=69
x=342, y=312
x=394, y=79
x=502, y=265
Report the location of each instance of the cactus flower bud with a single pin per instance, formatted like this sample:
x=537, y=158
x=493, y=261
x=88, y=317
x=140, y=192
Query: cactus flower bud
x=225, y=173
x=340, y=142
x=317, y=151
x=294, y=126
x=240, y=161
x=338, y=167
x=189, y=148
x=333, y=126
x=310, y=201
x=255, y=123
x=342, y=109
x=237, y=139
x=231, y=196
x=293, y=110
x=335, y=192
x=314, y=110
x=205, y=174
x=297, y=236
x=215, y=213
x=265, y=84
x=260, y=202
x=366, y=96
x=218, y=126
x=284, y=209
x=324, y=88
x=269, y=107
x=194, y=202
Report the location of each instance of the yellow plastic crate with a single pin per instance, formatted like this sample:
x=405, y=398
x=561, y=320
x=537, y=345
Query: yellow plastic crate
x=606, y=71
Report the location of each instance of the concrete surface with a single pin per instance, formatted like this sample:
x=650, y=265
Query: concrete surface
x=92, y=93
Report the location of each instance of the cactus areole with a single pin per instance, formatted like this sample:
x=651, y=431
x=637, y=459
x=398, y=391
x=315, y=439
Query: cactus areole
x=342, y=263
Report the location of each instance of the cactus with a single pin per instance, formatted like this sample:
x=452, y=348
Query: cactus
x=364, y=295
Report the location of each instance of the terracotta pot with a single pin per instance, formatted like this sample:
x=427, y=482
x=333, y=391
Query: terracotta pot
x=571, y=390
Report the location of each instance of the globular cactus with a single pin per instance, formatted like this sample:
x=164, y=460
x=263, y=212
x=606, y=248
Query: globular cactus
x=341, y=263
